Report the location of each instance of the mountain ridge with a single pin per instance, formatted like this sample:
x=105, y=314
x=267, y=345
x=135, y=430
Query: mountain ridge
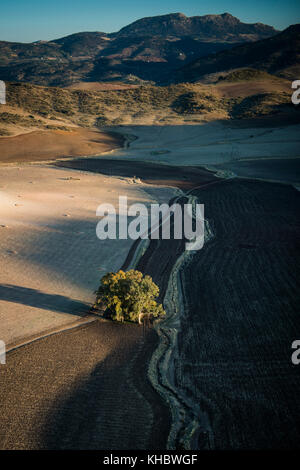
x=148, y=49
x=180, y=24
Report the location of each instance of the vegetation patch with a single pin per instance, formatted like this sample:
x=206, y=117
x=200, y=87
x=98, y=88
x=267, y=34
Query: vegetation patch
x=179, y=103
x=261, y=105
x=17, y=119
x=129, y=296
x=247, y=74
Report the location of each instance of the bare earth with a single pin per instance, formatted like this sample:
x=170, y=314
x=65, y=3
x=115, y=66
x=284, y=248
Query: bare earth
x=52, y=144
x=51, y=259
x=83, y=389
x=248, y=88
x=100, y=86
x=51, y=264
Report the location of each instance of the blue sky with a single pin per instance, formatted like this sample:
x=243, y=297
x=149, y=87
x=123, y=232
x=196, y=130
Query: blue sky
x=31, y=20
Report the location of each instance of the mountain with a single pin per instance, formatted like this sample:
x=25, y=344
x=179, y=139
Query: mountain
x=148, y=49
x=278, y=55
x=223, y=28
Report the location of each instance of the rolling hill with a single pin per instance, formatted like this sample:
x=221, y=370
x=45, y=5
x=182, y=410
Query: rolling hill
x=30, y=107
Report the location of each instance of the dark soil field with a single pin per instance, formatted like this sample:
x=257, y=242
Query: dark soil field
x=284, y=170
x=239, y=318
x=186, y=177
x=83, y=389
x=241, y=315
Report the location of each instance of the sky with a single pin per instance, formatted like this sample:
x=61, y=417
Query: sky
x=33, y=20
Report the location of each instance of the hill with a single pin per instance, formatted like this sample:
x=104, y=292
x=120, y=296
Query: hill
x=277, y=55
x=30, y=107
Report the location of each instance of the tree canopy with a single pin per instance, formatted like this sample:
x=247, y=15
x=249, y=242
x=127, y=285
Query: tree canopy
x=129, y=295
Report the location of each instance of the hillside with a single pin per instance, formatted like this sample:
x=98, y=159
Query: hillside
x=52, y=107
x=30, y=107
x=277, y=55
x=148, y=49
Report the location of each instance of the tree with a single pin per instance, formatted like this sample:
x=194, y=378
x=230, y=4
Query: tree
x=129, y=296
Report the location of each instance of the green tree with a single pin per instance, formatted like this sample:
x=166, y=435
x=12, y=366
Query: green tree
x=129, y=296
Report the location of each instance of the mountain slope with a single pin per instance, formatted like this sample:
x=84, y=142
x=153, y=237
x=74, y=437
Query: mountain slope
x=150, y=49
x=279, y=55
x=83, y=44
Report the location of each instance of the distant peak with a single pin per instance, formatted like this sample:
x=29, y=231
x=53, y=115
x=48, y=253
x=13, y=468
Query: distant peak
x=222, y=27
x=182, y=15
x=228, y=17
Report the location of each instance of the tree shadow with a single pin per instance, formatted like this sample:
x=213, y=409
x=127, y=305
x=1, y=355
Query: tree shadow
x=38, y=299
